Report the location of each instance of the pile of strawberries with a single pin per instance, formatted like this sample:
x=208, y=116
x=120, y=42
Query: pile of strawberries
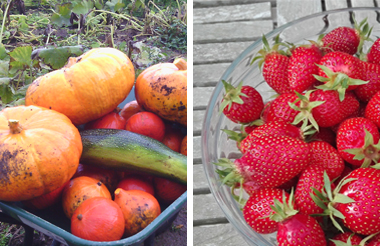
x=309, y=155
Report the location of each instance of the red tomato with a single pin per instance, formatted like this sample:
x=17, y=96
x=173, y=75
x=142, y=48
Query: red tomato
x=46, y=200
x=167, y=191
x=130, y=109
x=173, y=139
x=136, y=183
x=148, y=124
x=111, y=120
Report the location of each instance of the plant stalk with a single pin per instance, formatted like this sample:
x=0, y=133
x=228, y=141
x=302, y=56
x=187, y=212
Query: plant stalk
x=3, y=24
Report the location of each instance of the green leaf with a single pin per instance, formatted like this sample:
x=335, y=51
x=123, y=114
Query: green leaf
x=340, y=198
x=3, y=52
x=122, y=46
x=57, y=57
x=21, y=58
x=62, y=17
x=115, y=5
x=98, y=4
x=82, y=7
x=4, y=68
x=6, y=94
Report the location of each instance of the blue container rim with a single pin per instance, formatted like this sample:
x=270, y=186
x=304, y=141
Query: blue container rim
x=70, y=238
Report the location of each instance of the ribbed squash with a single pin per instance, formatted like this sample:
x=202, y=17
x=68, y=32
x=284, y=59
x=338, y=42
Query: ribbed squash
x=88, y=87
x=39, y=152
x=162, y=89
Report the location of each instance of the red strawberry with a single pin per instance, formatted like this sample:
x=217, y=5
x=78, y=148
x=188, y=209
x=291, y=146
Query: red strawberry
x=373, y=55
x=274, y=63
x=361, y=209
x=347, y=169
x=273, y=160
x=280, y=109
x=257, y=209
x=251, y=187
x=371, y=74
x=311, y=178
x=332, y=111
x=347, y=39
x=375, y=241
x=242, y=104
x=302, y=67
x=300, y=229
x=351, y=105
x=276, y=127
x=325, y=134
x=326, y=156
x=295, y=228
x=346, y=237
x=340, y=71
x=372, y=111
x=357, y=141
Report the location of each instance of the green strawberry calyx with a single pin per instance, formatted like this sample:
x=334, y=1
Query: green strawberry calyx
x=267, y=49
x=309, y=124
x=336, y=81
x=370, y=152
x=233, y=95
x=283, y=210
x=364, y=32
x=327, y=198
x=231, y=177
x=349, y=243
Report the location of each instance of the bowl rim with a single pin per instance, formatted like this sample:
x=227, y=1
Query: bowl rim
x=219, y=87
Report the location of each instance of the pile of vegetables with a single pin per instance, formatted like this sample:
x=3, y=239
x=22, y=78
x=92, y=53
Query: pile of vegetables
x=110, y=170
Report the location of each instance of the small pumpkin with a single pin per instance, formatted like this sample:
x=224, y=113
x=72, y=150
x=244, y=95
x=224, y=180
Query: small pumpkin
x=183, y=150
x=130, y=109
x=162, y=89
x=139, y=209
x=87, y=87
x=80, y=189
x=98, y=219
x=39, y=152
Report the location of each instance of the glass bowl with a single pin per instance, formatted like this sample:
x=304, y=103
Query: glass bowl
x=215, y=143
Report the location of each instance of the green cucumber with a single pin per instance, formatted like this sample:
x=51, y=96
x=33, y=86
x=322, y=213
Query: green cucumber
x=124, y=150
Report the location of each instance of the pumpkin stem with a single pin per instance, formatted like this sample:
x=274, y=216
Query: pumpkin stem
x=71, y=61
x=180, y=63
x=14, y=126
x=80, y=216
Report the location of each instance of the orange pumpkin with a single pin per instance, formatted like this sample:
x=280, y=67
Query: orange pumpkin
x=39, y=152
x=139, y=209
x=87, y=87
x=79, y=190
x=98, y=219
x=107, y=176
x=162, y=89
